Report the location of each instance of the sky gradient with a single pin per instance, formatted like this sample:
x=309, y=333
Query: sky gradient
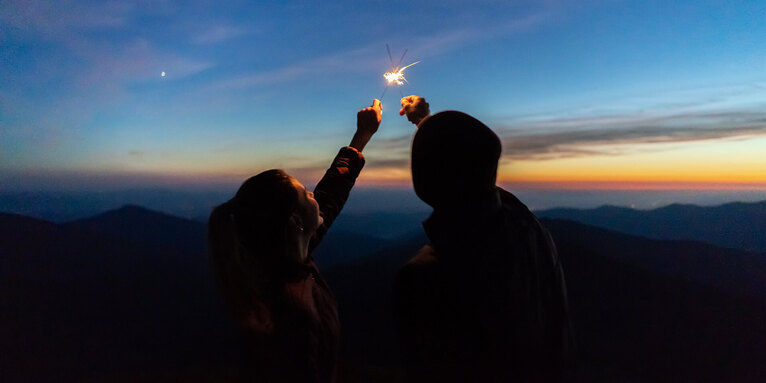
x=584, y=94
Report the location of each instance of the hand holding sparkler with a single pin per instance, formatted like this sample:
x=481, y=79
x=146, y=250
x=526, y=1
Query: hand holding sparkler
x=415, y=107
x=367, y=123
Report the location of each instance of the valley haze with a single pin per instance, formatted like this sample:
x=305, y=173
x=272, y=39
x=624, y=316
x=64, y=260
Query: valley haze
x=196, y=203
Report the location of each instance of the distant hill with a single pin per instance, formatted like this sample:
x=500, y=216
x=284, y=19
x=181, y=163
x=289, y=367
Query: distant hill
x=734, y=225
x=634, y=325
x=363, y=290
x=382, y=224
x=147, y=227
x=632, y=321
x=344, y=247
x=75, y=304
x=68, y=206
x=135, y=223
x=126, y=296
x=724, y=269
x=195, y=204
x=124, y=291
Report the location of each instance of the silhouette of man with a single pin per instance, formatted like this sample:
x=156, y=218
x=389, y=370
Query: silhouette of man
x=485, y=301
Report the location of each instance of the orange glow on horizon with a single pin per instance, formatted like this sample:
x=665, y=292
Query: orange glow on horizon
x=395, y=177
x=714, y=165
x=705, y=165
x=398, y=178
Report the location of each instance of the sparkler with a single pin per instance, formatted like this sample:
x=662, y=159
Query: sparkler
x=396, y=75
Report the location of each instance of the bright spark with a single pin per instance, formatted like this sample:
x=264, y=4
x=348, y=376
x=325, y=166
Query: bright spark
x=162, y=74
x=397, y=76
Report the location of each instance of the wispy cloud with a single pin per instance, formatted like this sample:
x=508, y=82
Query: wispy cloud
x=98, y=56
x=56, y=19
x=105, y=58
x=600, y=135
x=219, y=33
x=358, y=59
x=617, y=135
x=326, y=64
x=137, y=61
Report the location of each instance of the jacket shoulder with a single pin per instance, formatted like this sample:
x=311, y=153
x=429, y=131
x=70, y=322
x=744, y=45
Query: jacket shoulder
x=424, y=257
x=418, y=267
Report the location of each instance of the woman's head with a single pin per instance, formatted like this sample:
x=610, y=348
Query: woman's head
x=251, y=236
x=270, y=208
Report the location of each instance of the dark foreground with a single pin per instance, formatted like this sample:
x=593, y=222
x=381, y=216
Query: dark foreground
x=128, y=296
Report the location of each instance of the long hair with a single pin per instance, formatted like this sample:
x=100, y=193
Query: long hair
x=246, y=244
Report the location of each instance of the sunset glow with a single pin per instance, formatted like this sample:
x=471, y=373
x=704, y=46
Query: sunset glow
x=734, y=162
x=598, y=95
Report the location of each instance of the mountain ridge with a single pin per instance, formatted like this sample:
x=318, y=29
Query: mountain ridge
x=736, y=225
x=136, y=223
x=110, y=303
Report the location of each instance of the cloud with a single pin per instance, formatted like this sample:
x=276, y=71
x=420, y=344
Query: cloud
x=97, y=79
x=219, y=33
x=136, y=61
x=598, y=135
x=451, y=40
x=360, y=58
x=390, y=163
x=58, y=19
x=92, y=55
x=617, y=135
x=341, y=61
x=104, y=57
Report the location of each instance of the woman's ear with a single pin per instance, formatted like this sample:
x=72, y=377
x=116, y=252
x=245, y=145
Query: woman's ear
x=295, y=223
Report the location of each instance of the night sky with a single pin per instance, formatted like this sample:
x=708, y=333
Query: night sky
x=584, y=94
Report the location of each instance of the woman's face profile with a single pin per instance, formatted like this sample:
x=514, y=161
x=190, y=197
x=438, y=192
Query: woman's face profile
x=308, y=208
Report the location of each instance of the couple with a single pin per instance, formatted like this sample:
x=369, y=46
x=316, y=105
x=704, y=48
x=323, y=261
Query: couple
x=485, y=301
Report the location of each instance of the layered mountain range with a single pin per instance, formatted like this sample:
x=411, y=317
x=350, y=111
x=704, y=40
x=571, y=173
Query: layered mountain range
x=128, y=295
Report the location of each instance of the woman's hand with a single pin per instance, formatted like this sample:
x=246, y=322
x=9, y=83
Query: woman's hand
x=367, y=123
x=415, y=107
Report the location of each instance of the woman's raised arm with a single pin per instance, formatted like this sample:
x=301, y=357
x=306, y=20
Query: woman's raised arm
x=367, y=122
x=333, y=189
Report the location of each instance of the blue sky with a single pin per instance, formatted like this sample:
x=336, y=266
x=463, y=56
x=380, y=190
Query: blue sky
x=249, y=86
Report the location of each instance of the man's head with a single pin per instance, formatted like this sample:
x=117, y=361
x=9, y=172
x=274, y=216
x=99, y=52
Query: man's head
x=454, y=159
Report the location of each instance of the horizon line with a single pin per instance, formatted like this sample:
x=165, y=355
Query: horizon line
x=193, y=186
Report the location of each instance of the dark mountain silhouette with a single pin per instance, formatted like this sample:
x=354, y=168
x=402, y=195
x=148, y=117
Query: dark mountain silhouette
x=631, y=324
x=147, y=227
x=62, y=206
x=725, y=269
x=343, y=247
x=124, y=296
x=76, y=304
x=140, y=225
x=635, y=325
x=123, y=292
x=734, y=225
x=364, y=290
x=386, y=225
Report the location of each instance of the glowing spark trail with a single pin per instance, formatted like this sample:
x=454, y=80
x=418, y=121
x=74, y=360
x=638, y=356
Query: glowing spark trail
x=397, y=76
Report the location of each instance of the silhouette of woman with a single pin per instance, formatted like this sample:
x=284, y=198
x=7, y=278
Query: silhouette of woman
x=260, y=244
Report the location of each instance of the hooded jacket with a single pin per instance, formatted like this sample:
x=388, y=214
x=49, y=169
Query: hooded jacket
x=485, y=301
